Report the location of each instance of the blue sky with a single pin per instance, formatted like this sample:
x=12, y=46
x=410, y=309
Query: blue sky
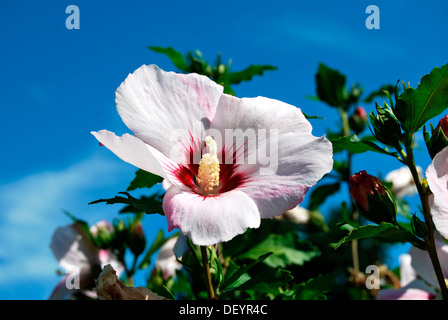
x=57, y=85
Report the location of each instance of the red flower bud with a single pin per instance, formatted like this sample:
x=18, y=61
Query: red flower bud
x=360, y=112
x=137, y=241
x=358, y=120
x=361, y=185
x=438, y=139
x=443, y=124
x=372, y=199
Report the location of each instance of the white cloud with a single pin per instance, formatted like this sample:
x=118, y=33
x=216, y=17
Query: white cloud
x=32, y=208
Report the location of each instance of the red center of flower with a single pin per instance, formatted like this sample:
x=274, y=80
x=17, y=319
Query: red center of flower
x=229, y=179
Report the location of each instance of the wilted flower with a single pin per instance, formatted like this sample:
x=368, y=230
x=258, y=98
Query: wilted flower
x=109, y=287
x=372, y=199
x=77, y=254
x=437, y=177
x=230, y=161
x=402, y=181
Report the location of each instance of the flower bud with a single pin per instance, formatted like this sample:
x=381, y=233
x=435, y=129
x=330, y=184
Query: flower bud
x=358, y=120
x=103, y=233
x=443, y=125
x=439, y=137
x=355, y=94
x=386, y=126
x=372, y=199
x=137, y=241
x=222, y=69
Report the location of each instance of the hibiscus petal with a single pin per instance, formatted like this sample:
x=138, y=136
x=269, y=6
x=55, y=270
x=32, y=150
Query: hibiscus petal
x=421, y=262
x=141, y=155
x=181, y=246
x=402, y=181
x=437, y=176
x=73, y=248
x=289, y=159
x=61, y=292
x=407, y=272
x=107, y=257
x=210, y=220
x=161, y=107
x=442, y=253
x=166, y=261
x=404, y=294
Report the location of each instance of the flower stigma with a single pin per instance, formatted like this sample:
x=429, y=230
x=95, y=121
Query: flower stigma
x=208, y=173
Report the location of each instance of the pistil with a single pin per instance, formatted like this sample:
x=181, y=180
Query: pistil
x=208, y=173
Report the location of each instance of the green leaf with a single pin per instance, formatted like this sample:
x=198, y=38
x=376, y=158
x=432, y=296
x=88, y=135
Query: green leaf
x=312, y=98
x=228, y=90
x=247, y=74
x=341, y=167
x=252, y=237
x=175, y=56
x=197, y=64
x=194, y=62
x=286, y=250
x=145, y=204
x=237, y=275
x=268, y=281
x=312, y=117
x=320, y=193
x=380, y=92
x=144, y=179
x=355, y=145
x=314, y=289
x=414, y=107
x=384, y=232
x=331, y=86
x=84, y=226
x=181, y=286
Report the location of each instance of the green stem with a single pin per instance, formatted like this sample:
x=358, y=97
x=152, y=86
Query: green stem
x=207, y=275
x=423, y=192
x=401, y=153
x=355, y=216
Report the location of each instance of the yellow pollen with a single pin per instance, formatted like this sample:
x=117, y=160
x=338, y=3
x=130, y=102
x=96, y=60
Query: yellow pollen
x=208, y=173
